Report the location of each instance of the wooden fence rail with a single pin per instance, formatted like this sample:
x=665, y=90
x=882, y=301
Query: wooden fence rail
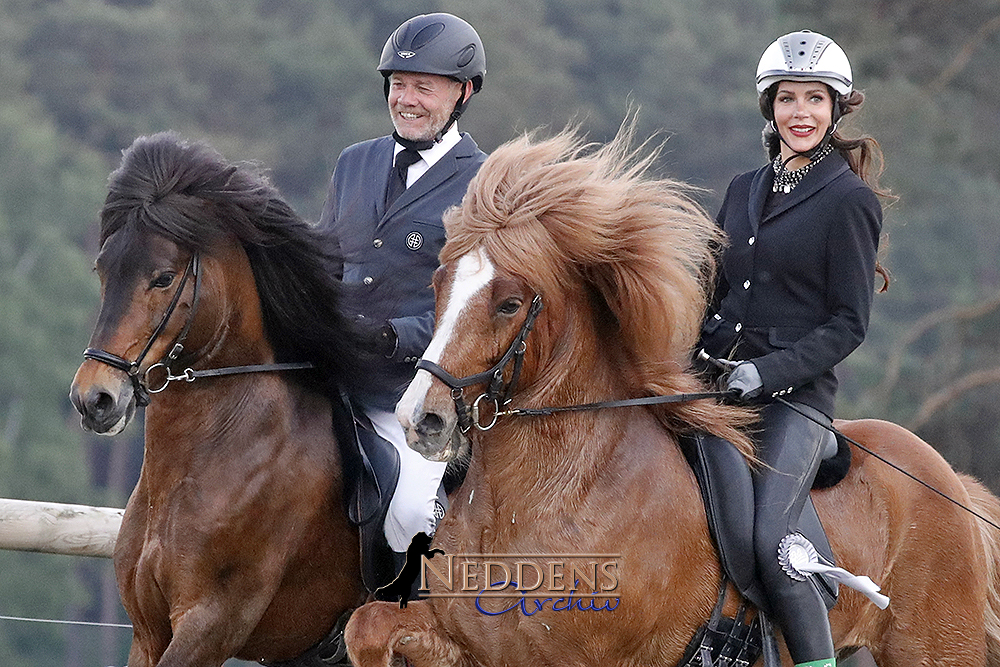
x=56, y=528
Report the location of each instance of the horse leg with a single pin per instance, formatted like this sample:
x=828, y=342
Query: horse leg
x=380, y=633
x=208, y=634
x=138, y=656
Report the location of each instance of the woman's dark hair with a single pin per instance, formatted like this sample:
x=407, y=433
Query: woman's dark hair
x=863, y=154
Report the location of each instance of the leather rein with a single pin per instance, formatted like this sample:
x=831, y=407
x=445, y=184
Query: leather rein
x=141, y=382
x=499, y=393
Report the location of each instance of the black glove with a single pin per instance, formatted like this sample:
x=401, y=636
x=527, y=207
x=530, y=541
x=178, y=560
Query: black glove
x=378, y=338
x=745, y=379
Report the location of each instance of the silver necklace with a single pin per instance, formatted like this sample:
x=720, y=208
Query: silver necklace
x=785, y=180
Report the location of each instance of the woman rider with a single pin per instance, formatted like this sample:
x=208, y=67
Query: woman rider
x=793, y=299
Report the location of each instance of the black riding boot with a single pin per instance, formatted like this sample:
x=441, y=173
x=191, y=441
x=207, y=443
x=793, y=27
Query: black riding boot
x=790, y=447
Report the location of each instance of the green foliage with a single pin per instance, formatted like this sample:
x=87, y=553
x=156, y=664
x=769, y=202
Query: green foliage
x=48, y=201
x=289, y=83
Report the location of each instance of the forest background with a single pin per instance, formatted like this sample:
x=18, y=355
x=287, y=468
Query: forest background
x=290, y=83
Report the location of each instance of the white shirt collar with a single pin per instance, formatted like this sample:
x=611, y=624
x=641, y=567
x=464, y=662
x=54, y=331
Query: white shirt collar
x=431, y=155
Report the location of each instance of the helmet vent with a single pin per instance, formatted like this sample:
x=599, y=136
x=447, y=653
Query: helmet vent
x=426, y=35
x=466, y=56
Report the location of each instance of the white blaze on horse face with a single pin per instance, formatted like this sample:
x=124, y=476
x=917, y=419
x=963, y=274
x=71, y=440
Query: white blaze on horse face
x=473, y=272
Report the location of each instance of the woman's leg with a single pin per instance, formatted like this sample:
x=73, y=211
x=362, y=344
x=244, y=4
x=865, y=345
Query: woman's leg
x=790, y=447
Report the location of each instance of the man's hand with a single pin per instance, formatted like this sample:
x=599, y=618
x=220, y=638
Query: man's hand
x=378, y=338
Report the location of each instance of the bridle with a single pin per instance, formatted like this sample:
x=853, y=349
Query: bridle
x=141, y=382
x=500, y=394
x=497, y=391
x=140, y=385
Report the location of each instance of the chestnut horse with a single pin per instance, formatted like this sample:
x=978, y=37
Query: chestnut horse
x=235, y=541
x=622, y=260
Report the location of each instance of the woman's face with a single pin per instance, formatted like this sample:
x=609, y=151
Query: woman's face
x=803, y=112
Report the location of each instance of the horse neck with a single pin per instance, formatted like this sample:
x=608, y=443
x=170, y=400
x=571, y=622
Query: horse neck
x=229, y=328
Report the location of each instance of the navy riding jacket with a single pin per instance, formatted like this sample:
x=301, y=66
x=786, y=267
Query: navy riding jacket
x=393, y=253
x=795, y=287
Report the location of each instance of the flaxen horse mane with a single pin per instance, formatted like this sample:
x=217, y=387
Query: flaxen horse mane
x=561, y=212
x=189, y=193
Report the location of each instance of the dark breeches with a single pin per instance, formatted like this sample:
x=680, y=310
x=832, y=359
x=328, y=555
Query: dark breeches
x=790, y=447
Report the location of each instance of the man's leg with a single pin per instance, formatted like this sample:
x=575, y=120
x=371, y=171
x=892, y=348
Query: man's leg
x=415, y=506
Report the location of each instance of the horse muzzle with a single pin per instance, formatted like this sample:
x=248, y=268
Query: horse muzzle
x=106, y=404
x=436, y=439
x=431, y=431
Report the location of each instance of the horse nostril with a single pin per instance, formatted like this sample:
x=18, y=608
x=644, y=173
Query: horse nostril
x=101, y=404
x=430, y=425
x=104, y=402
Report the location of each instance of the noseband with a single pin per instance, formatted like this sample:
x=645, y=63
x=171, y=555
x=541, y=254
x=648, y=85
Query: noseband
x=141, y=384
x=496, y=390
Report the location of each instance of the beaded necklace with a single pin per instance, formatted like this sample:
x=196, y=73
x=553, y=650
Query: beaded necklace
x=785, y=180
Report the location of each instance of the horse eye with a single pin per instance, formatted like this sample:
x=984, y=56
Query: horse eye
x=162, y=280
x=509, y=307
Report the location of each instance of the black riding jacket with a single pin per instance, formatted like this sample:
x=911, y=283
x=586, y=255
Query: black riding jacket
x=795, y=287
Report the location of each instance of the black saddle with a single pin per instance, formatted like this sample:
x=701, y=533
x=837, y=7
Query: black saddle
x=371, y=471
x=727, y=491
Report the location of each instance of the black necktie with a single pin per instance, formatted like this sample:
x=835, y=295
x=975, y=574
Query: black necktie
x=397, y=179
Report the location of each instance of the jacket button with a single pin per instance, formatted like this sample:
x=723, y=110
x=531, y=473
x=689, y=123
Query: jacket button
x=739, y=326
x=752, y=240
x=368, y=280
x=746, y=285
x=377, y=243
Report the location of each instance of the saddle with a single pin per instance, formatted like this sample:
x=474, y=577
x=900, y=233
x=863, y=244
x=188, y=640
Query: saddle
x=371, y=471
x=727, y=492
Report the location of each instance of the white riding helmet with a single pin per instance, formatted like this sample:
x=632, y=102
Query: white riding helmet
x=805, y=56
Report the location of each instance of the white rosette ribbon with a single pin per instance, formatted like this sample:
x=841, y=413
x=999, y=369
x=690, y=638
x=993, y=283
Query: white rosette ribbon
x=799, y=559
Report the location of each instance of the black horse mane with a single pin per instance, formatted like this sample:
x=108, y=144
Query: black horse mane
x=189, y=193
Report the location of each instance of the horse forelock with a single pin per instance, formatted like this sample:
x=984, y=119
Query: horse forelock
x=186, y=191
x=566, y=215
x=189, y=193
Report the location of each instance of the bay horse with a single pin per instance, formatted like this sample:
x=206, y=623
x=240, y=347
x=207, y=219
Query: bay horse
x=234, y=542
x=622, y=260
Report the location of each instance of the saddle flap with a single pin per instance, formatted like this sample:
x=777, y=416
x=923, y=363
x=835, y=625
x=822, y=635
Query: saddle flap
x=371, y=464
x=727, y=492
x=371, y=471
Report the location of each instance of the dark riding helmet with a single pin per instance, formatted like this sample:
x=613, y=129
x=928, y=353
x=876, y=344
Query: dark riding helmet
x=435, y=44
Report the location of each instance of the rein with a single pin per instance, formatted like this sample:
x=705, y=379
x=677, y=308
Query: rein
x=500, y=394
x=141, y=384
x=494, y=376
x=726, y=365
x=623, y=403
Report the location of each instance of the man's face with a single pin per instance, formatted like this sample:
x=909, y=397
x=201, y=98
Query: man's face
x=420, y=104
